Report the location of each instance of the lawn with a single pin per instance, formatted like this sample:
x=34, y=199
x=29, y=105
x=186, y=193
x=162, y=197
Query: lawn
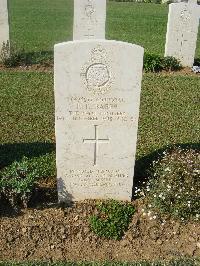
x=168, y=115
x=37, y=25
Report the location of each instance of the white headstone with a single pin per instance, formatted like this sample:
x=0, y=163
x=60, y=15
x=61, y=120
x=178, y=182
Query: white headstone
x=4, y=26
x=182, y=30
x=97, y=98
x=89, y=19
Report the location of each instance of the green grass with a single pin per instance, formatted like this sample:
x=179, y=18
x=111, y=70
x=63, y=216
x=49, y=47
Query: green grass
x=177, y=262
x=169, y=114
x=37, y=25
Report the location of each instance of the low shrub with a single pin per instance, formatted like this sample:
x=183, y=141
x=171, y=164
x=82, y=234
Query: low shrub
x=174, y=186
x=156, y=63
x=17, y=181
x=197, y=62
x=112, y=220
x=152, y=62
x=11, y=56
x=171, y=64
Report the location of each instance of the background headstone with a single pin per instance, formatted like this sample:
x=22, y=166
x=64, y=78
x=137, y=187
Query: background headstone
x=182, y=30
x=4, y=25
x=97, y=97
x=89, y=19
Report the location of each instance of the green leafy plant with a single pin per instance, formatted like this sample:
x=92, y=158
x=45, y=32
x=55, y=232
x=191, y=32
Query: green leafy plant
x=17, y=182
x=174, y=186
x=112, y=220
x=10, y=56
x=152, y=62
x=156, y=63
x=171, y=64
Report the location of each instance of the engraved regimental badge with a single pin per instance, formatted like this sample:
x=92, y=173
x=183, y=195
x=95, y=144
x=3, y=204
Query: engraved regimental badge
x=96, y=74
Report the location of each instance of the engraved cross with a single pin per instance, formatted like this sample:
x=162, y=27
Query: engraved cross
x=96, y=141
x=88, y=35
x=182, y=41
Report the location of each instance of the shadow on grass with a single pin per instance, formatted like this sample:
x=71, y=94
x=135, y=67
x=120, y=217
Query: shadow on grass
x=41, y=57
x=10, y=152
x=22, y=58
x=143, y=165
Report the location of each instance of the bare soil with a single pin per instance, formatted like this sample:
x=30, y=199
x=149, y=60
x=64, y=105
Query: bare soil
x=49, y=232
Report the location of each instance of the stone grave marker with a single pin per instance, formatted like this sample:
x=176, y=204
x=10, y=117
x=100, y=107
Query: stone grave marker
x=182, y=30
x=97, y=98
x=89, y=19
x=4, y=25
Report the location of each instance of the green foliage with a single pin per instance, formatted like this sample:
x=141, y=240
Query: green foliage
x=156, y=63
x=112, y=220
x=171, y=64
x=17, y=181
x=11, y=56
x=152, y=62
x=197, y=62
x=174, y=187
x=5, y=51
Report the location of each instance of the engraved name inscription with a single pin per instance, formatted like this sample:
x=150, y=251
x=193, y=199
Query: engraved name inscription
x=97, y=109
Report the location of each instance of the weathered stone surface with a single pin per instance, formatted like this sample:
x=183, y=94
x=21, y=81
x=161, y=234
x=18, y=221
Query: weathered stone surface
x=4, y=25
x=97, y=97
x=182, y=30
x=89, y=19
